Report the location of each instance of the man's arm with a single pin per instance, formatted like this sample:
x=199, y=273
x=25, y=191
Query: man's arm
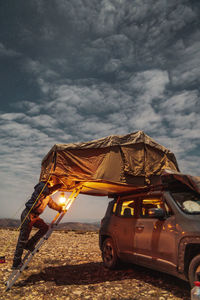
x=54, y=205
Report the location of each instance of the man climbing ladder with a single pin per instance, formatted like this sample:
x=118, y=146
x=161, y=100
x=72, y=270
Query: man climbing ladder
x=30, y=217
x=29, y=255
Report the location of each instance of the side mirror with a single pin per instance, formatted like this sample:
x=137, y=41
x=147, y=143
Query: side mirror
x=156, y=213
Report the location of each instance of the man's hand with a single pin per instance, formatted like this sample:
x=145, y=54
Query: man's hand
x=63, y=207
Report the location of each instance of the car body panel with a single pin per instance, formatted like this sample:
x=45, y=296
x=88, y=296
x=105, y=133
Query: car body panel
x=156, y=243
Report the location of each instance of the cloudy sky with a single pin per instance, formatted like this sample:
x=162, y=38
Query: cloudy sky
x=78, y=70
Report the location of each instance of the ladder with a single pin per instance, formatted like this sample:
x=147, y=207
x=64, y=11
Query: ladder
x=29, y=255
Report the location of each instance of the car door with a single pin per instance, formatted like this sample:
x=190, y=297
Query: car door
x=155, y=239
x=124, y=224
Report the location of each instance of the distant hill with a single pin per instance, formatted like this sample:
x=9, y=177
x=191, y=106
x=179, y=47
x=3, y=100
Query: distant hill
x=79, y=226
x=11, y=223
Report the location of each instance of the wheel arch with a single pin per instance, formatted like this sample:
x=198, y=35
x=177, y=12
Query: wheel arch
x=191, y=250
x=103, y=237
x=189, y=247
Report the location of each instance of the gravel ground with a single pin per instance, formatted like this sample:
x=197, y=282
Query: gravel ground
x=69, y=266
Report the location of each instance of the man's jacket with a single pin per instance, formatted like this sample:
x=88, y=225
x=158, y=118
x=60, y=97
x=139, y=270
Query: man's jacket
x=44, y=199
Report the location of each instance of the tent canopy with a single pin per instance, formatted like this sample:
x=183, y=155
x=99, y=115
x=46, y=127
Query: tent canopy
x=175, y=179
x=110, y=165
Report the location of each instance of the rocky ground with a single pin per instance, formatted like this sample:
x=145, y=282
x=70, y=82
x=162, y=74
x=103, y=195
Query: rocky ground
x=69, y=266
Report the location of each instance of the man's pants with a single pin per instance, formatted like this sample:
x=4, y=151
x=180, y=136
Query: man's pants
x=30, y=221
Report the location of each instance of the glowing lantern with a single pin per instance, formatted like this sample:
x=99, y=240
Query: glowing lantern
x=62, y=198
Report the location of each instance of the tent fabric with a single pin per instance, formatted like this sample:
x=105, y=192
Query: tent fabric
x=131, y=160
x=175, y=178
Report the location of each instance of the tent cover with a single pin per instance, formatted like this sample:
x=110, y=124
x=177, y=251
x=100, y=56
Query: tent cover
x=178, y=180
x=110, y=165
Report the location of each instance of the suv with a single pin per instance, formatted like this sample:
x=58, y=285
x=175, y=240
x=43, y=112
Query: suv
x=157, y=227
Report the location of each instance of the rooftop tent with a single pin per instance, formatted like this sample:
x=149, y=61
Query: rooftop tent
x=175, y=179
x=110, y=165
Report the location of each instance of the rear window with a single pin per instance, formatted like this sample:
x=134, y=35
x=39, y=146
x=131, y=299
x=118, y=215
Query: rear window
x=126, y=208
x=189, y=201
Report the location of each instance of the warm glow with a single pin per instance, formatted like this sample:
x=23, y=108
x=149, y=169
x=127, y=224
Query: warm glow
x=68, y=206
x=62, y=198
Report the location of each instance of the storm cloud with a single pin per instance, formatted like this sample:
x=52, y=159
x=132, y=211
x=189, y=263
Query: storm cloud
x=80, y=70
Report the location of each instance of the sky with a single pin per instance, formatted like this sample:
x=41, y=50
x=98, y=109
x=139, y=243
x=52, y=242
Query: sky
x=73, y=71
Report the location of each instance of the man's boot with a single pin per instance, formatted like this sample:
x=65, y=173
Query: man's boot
x=17, y=264
x=30, y=245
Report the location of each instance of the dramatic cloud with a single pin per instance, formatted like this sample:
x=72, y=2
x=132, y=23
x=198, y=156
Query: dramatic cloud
x=5, y=52
x=80, y=70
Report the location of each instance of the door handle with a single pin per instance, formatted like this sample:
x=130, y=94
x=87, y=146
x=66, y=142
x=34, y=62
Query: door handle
x=140, y=226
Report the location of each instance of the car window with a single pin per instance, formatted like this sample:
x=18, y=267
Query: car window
x=154, y=202
x=126, y=208
x=114, y=207
x=189, y=201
